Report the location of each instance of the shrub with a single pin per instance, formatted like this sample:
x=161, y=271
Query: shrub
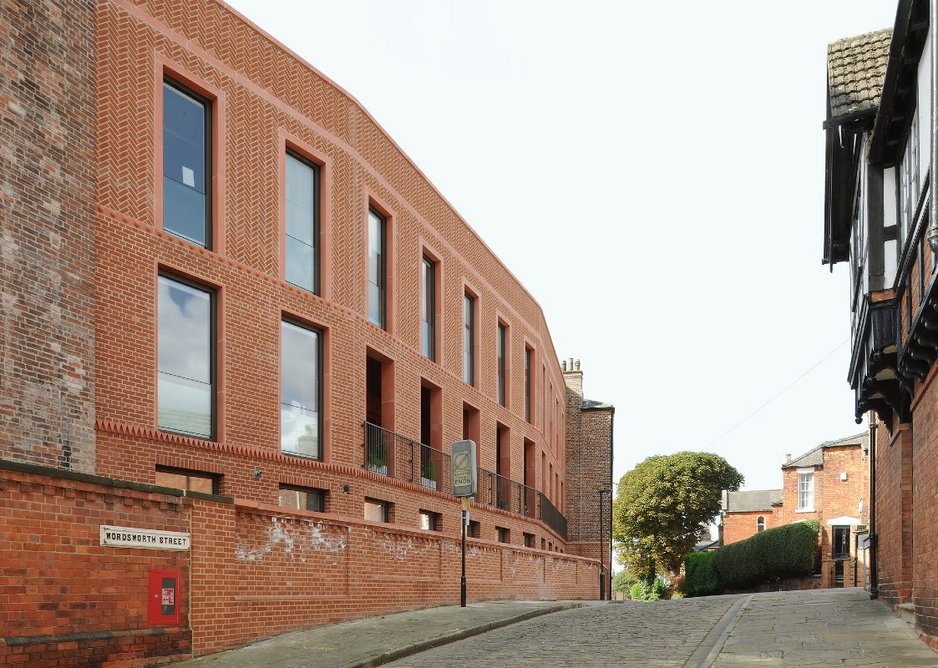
x=621, y=582
x=637, y=591
x=786, y=551
x=700, y=575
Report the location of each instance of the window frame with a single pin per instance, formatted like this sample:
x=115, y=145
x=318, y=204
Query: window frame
x=170, y=80
x=385, y=507
x=760, y=524
x=215, y=478
x=382, y=269
x=320, y=389
x=317, y=169
x=805, y=492
x=502, y=351
x=429, y=279
x=433, y=520
x=470, y=317
x=214, y=298
x=311, y=492
x=529, y=365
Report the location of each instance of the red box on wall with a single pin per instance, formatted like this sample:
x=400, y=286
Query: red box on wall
x=164, y=598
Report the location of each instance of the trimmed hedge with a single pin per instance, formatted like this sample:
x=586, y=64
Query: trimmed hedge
x=700, y=575
x=785, y=551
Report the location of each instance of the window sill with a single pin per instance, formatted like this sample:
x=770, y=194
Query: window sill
x=804, y=510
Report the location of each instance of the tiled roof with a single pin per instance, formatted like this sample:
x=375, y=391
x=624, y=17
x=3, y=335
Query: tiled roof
x=589, y=404
x=751, y=500
x=856, y=67
x=815, y=456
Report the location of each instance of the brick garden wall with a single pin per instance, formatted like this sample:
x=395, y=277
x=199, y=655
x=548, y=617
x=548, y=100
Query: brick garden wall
x=46, y=243
x=67, y=601
x=254, y=570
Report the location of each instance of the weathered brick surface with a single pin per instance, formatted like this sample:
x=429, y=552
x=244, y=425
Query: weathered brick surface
x=894, y=513
x=67, y=600
x=924, y=473
x=254, y=570
x=589, y=459
x=742, y=525
x=47, y=179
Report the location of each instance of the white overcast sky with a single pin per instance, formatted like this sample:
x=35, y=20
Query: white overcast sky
x=652, y=172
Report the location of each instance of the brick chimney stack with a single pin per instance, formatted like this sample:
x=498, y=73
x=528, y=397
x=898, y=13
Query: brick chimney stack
x=572, y=376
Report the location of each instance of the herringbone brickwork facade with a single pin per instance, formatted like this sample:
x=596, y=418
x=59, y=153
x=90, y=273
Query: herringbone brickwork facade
x=83, y=248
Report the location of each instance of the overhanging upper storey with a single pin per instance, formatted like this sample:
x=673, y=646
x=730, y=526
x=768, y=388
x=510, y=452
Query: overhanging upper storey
x=900, y=88
x=856, y=67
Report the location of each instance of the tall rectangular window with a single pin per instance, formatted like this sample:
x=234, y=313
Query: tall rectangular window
x=806, y=490
x=528, y=384
x=469, y=339
x=300, y=381
x=377, y=268
x=428, y=308
x=302, y=223
x=186, y=164
x=186, y=358
x=501, y=354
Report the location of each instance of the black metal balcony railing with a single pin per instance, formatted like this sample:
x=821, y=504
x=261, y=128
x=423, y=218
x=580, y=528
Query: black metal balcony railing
x=403, y=458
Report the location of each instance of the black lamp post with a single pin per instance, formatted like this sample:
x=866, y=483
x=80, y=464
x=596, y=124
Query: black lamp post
x=602, y=548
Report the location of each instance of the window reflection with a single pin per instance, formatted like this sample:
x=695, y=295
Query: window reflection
x=376, y=268
x=185, y=393
x=301, y=222
x=299, y=390
x=185, y=186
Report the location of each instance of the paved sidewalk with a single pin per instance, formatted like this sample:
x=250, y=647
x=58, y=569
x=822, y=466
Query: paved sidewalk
x=374, y=641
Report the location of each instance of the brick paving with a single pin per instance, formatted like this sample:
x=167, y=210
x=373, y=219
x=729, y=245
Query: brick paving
x=810, y=628
x=833, y=627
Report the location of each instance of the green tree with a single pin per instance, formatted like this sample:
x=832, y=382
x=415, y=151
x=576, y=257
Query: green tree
x=660, y=505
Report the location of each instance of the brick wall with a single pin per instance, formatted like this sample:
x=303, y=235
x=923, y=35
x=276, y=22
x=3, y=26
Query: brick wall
x=894, y=513
x=67, y=600
x=742, y=525
x=46, y=241
x=924, y=566
x=254, y=570
x=589, y=454
x=269, y=94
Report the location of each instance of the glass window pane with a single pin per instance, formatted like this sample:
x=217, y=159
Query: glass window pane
x=184, y=212
x=185, y=183
x=376, y=268
x=184, y=358
x=299, y=390
x=301, y=260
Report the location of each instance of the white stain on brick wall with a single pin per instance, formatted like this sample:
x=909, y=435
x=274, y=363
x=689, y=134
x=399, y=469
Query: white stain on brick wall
x=297, y=539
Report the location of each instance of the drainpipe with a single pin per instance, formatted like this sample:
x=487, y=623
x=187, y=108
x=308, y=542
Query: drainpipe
x=933, y=114
x=874, y=572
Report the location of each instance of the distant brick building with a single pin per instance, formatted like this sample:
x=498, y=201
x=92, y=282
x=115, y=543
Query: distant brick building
x=831, y=484
x=746, y=513
x=240, y=330
x=589, y=453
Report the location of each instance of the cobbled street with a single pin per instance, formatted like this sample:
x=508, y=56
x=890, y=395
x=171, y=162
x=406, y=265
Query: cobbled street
x=811, y=628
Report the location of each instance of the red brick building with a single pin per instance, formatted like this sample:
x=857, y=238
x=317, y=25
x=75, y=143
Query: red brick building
x=240, y=330
x=831, y=484
x=880, y=219
x=746, y=513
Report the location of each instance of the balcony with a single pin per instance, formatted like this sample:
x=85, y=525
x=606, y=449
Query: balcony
x=402, y=458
